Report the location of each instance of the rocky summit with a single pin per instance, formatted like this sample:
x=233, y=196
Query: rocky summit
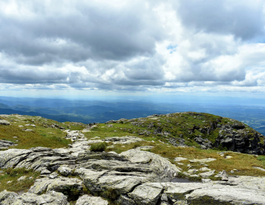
x=157, y=160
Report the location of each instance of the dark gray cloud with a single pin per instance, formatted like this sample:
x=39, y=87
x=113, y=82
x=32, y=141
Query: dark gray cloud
x=87, y=30
x=31, y=76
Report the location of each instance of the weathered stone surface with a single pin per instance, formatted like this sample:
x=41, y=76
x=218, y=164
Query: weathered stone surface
x=90, y=178
x=148, y=193
x=99, y=181
x=60, y=184
x=11, y=157
x=84, y=157
x=248, y=182
x=38, y=158
x=7, y=198
x=178, y=191
x=158, y=164
x=236, y=137
x=50, y=198
x=91, y=200
x=219, y=194
x=121, y=184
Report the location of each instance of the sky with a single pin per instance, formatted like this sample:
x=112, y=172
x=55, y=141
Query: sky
x=132, y=47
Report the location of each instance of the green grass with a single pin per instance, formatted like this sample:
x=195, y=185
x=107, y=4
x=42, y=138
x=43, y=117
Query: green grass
x=9, y=179
x=41, y=135
x=262, y=159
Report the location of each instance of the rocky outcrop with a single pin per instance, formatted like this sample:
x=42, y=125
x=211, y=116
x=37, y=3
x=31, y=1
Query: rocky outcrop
x=134, y=177
x=235, y=137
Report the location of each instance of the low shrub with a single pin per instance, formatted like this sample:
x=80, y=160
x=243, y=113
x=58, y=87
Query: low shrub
x=98, y=147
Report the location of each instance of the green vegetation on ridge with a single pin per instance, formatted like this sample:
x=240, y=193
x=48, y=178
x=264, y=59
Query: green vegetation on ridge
x=28, y=132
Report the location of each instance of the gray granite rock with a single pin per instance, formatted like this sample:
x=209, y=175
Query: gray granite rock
x=91, y=200
x=50, y=198
x=67, y=186
x=7, y=198
x=159, y=165
x=147, y=193
x=220, y=194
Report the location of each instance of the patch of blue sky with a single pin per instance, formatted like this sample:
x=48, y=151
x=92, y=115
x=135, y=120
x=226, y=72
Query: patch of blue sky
x=172, y=48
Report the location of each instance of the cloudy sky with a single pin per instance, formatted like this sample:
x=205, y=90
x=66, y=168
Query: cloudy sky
x=132, y=46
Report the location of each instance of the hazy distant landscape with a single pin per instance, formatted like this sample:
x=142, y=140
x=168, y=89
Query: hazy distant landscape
x=89, y=111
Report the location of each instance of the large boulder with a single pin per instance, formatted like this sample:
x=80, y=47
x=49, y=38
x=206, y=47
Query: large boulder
x=147, y=193
x=159, y=165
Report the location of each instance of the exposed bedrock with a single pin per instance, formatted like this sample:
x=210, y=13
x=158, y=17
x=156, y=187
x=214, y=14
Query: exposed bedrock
x=133, y=177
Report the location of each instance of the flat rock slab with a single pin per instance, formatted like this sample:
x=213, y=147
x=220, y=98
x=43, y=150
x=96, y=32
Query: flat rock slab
x=248, y=182
x=220, y=194
x=91, y=200
x=121, y=184
x=147, y=193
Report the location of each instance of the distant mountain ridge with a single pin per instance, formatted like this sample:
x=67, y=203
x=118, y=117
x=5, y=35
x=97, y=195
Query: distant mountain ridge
x=101, y=111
